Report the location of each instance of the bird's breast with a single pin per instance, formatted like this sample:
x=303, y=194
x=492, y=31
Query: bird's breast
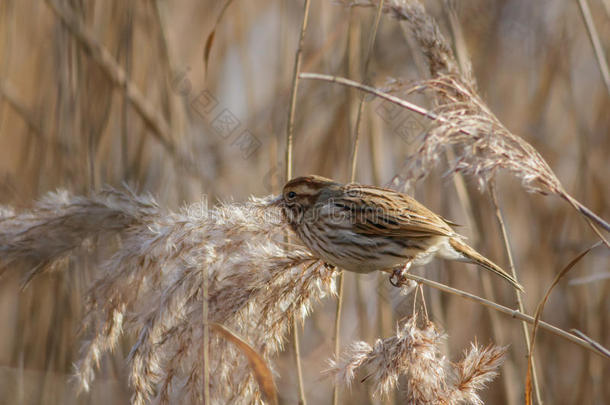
x=339, y=245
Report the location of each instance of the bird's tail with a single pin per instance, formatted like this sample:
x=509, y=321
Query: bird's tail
x=468, y=254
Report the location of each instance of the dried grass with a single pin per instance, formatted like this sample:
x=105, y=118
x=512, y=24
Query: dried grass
x=484, y=145
x=415, y=353
x=95, y=94
x=151, y=286
x=463, y=121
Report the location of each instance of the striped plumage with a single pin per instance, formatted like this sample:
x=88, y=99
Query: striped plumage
x=365, y=228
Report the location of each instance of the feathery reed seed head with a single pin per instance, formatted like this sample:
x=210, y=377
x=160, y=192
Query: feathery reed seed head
x=151, y=286
x=414, y=352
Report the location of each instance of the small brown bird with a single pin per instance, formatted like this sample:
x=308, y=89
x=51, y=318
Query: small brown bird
x=365, y=228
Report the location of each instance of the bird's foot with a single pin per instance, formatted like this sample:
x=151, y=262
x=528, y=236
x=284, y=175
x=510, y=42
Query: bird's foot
x=398, y=279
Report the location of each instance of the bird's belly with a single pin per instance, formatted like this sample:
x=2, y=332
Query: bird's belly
x=370, y=265
x=367, y=256
x=366, y=253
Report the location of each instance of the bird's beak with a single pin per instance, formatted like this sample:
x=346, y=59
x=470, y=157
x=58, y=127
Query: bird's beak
x=275, y=202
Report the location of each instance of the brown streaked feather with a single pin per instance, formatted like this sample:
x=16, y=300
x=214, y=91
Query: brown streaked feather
x=313, y=182
x=401, y=216
x=475, y=257
x=450, y=222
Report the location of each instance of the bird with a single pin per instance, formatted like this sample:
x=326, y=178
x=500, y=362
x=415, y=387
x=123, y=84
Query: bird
x=363, y=228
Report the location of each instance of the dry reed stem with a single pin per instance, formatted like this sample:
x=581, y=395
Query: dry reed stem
x=352, y=178
x=486, y=145
x=118, y=77
x=336, y=336
x=513, y=270
x=466, y=202
x=372, y=90
x=288, y=162
x=426, y=32
x=464, y=120
x=209, y=42
x=601, y=349
x=337, y=328
x=513, y=313
x=262, y=372
x=294, y=90
x=602, y=63
x=369, y=53
x=414, y=352
x=8, y=93
x=151, y=286
x=539, y=311
x=206, y=366
x=205, y=338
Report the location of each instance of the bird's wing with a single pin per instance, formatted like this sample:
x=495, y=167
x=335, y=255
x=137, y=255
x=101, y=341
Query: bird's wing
x=384, y=212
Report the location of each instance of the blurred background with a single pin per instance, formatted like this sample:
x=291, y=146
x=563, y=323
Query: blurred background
x=170, y=99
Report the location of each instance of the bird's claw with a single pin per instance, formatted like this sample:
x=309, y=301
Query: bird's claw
x=398, y=279
x=394, y=283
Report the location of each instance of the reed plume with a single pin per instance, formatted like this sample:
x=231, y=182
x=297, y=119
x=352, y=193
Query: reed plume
x=464, y=122
x=95, y=95
x=414, y=352
x=151, y=285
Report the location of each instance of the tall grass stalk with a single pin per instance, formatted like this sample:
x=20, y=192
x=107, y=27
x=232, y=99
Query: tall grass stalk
x=352, y=178
x=288, y=163
x=511, y=264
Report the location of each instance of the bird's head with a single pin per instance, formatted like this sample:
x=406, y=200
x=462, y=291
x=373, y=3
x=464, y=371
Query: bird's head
x=301, y=194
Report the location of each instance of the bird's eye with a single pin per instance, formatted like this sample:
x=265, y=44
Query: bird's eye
x=291, y=195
